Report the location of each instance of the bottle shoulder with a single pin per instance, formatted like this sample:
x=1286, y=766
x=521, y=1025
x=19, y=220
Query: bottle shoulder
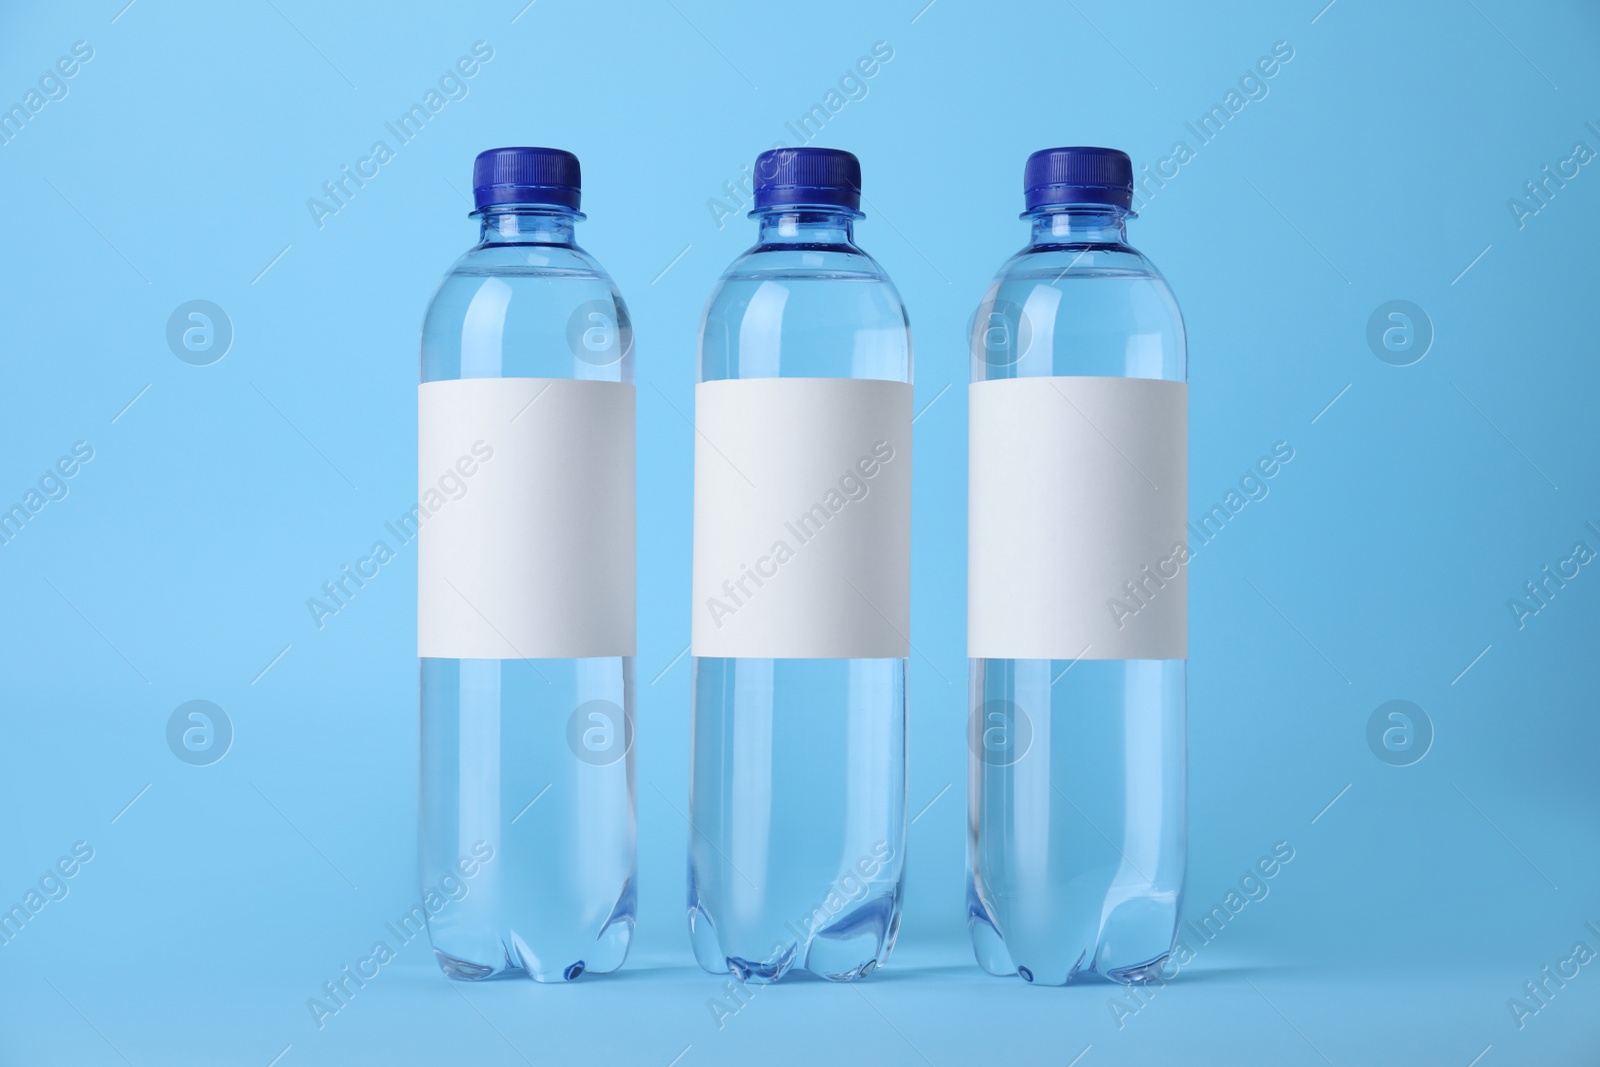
x=1075, y=260
x=527, y=260
x=546, y=274
x=802, y=262
x=805, y=311
x=1079, y=309
x=1069, y=268
x=527, y=310
x=807, y=275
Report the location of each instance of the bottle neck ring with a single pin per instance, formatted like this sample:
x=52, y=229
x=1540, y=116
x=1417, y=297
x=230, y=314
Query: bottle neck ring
x=1080, y=224
x=792, y=225
x=527, y=224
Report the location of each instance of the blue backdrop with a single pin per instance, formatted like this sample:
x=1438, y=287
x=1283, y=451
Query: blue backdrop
x=1385, y=254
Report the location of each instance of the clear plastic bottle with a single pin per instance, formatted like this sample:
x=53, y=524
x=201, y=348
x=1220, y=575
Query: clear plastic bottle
x=1077, y=836
x=527, y=835
x=798, y=779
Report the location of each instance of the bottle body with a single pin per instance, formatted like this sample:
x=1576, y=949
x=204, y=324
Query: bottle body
x=1077, y=807
x=527, y=762
x=797, y=783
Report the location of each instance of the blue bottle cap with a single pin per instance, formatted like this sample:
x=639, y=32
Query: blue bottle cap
x=1078, y=176
x=808, y=177
x=526, y=176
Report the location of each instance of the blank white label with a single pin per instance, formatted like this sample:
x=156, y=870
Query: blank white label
x=1075, y=523
x=526, y=505
x=802, y=518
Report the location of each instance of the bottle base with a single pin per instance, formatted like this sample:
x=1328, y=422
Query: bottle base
x=1044, y=964
x=848, y=949
x=995, y=958
x=517, y=960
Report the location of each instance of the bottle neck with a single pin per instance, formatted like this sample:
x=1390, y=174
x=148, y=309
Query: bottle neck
x=524, y=225
x=780, y=226
x=1096, y=224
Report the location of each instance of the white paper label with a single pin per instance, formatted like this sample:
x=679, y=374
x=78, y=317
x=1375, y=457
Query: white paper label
x=802, y=518
x=526, y=513
x=1077, y=493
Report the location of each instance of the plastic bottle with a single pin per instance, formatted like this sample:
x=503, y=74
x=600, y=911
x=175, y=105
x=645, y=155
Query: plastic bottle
x=801, y=591
x=1077, y=598
x=525, y=599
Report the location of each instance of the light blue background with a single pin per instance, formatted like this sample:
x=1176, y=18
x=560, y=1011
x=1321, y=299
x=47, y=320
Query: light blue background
x=1378, y=167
